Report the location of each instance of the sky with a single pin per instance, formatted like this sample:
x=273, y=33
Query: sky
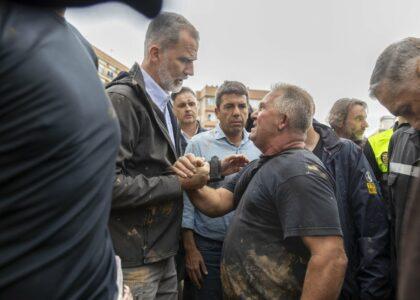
x=327, y=47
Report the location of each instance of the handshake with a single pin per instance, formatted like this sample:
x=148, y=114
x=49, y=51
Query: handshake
x=194, y=172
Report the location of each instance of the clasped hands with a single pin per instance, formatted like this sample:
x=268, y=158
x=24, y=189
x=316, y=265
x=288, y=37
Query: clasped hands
x=193, y=172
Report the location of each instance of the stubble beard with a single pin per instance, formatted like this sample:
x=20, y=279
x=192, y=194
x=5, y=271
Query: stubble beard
x=166, y=79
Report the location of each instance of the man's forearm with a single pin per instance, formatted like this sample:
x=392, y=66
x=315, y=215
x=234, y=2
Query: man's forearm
x=188, y=239
x=324, y=277
x=212, y=202
x=142, y=190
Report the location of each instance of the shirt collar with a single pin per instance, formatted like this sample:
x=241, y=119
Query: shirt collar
x=186, y=135
x=219, y=134
x=159, y=96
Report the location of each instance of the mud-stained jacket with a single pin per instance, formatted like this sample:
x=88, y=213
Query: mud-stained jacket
x=363, y=217
x=147, y=201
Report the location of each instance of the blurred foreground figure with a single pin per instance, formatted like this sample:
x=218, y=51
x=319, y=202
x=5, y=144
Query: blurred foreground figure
x=395, y=82
x=59, y=138
x=348, y=119
x=284, y=241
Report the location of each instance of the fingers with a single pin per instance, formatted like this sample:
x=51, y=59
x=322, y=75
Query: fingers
x=235, y=159
x=240, y=159
x=192, y=273
x=178, y=172
x=195, y=160
x=203, y=267
x=127, y=293
x=183, y=167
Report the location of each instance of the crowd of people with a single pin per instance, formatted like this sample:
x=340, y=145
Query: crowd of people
x=118, y=192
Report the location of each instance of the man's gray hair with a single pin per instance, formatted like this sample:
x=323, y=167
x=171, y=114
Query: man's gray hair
x=296, y=103
x=165, y=28
x=340, y=110
x=229, y=88
x=392, y=63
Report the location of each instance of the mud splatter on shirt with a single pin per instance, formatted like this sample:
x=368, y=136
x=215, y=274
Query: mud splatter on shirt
x=288, y=196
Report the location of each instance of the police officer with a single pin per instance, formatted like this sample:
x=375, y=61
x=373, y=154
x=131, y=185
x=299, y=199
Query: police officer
x=376, y=152
x=363, y=214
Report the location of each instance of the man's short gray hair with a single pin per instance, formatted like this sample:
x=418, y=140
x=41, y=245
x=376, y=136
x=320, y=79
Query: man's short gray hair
x=340, y=110
x=296, y=103
x=165, y=28
x=392, y=63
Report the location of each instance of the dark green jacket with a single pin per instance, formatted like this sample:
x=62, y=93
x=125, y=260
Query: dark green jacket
x=147, y=200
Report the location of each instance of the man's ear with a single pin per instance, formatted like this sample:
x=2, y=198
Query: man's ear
x=282, y=123
x=217, y=111
x=154, y=53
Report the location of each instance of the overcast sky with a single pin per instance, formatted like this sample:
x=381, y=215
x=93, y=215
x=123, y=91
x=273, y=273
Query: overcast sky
x=328, y=47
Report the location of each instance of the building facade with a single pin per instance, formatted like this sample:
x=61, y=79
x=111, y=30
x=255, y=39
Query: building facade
x=207, y=104
x=108, y=67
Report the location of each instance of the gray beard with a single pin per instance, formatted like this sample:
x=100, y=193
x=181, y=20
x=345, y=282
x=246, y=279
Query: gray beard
x=167, y=81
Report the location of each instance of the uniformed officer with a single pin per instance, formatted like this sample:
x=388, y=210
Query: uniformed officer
x=376, y=152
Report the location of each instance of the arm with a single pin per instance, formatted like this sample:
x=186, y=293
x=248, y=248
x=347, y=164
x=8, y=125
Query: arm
x=212, y=202
x=194, y=261
x=326, y=268
x=133, y=191
x=372, y=230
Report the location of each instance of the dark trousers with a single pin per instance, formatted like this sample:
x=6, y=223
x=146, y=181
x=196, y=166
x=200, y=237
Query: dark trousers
x=211, y=250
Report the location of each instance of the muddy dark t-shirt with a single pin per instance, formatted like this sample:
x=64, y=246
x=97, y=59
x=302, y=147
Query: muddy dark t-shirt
x=289, y=196
x=58, y=144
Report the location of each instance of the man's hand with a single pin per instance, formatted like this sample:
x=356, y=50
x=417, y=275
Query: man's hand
x=186, y=166
x=127, y=293
x=196, y=268
x=197, y=180
x=233, y=163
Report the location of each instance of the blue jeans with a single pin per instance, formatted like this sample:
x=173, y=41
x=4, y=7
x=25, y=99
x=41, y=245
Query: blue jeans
x=211, y=250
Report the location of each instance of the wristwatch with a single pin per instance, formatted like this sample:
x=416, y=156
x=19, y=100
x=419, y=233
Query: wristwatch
x=216, y=170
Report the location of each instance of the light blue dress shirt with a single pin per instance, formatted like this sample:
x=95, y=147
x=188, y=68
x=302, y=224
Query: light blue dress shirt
x=161, y=98
x=207, y=144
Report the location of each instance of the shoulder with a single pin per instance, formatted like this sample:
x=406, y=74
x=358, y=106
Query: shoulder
x=85, y=44
x=292, y=163
x=350, y=147
x=402, y=131
x=123, y=93
x=203, y=137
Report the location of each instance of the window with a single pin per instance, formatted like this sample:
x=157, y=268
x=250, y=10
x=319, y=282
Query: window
x=101, y=62
x=110, y=74
x=211, y=101
x=211, y=117
x=101, y=69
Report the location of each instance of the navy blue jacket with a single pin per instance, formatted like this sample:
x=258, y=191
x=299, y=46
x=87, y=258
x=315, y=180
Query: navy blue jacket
x=363, y=217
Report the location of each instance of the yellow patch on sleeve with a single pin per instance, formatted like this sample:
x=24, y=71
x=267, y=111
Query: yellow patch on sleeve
x=371, y=188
